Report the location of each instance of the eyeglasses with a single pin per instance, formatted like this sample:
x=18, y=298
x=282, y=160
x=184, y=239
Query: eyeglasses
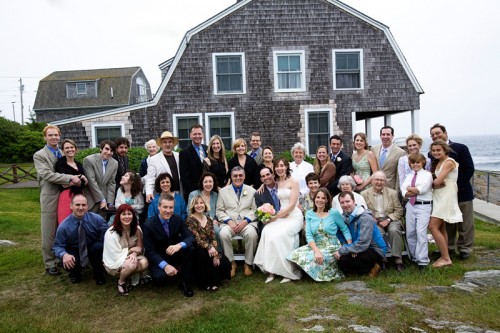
x=238, y=175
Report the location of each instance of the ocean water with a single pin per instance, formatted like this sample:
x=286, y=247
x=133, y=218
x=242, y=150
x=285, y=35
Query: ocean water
x=485, y=150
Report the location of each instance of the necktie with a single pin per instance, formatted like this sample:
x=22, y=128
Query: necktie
x=122, y=165
x=382, y=157
x=238, y=192
x=82, y=244
x=275, y=199
x=200, y=152
x=165, y=227
x=413, y=181
x=104, y=165
x=253, y=154
x=58, y=154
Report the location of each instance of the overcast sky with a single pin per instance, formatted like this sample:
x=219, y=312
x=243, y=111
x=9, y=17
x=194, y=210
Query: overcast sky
x=452, y=47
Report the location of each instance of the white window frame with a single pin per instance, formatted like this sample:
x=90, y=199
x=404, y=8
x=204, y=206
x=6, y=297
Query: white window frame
x=306, y=129
x=81, y=83
x=176, y=116
x=243, y=73
x=361, y=66
x=302, y=55
x=97, y=125
x=218, y=114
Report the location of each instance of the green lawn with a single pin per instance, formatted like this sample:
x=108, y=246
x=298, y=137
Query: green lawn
x=33, y=302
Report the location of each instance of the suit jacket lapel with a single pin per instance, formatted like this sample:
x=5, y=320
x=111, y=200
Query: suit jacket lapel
x=163, y=162
x=50, y=155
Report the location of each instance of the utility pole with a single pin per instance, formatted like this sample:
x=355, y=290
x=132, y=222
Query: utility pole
x=13, y=111
x=21, y=90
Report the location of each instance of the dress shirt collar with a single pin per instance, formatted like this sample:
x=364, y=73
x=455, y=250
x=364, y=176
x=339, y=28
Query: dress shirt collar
x=237, y=189
x=163, y=221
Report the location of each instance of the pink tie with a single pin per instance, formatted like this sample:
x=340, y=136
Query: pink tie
x=413, y=180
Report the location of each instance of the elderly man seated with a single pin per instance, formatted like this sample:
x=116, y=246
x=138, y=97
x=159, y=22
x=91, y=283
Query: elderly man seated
x=236, y=210
x=387, y=210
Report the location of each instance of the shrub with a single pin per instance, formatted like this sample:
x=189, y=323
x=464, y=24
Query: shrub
x=18, y=143
x=135, y=156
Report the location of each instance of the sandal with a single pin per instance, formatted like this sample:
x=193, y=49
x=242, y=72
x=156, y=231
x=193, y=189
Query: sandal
x=123, y=289
x=145, y=280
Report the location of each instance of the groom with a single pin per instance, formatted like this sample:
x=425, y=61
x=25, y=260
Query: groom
x=269, y=195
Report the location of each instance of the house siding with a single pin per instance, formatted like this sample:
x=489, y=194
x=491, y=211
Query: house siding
x=259, y=28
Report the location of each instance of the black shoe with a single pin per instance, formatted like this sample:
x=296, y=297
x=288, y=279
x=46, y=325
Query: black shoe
x=464, y=255
x=75, y=278
x=421, y=267
x=100, y=281
x=52, y=271
x=399, y=267
x=186, y=289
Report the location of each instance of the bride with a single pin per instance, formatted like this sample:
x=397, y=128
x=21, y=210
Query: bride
x=281, y=235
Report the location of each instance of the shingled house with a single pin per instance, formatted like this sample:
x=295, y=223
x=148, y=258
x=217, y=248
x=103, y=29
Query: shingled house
x=295, y=70
x=67, y=94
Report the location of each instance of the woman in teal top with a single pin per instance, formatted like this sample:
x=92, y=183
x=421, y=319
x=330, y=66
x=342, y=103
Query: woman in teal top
x=163, y=185
x=322, y=223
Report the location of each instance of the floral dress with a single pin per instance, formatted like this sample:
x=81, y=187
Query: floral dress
x=327, y=242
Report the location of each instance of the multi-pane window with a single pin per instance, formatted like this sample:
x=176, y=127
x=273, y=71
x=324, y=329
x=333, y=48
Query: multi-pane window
x=348, y=66
x=183, y=125
x=81, y=88
x=221, y=124
x=106, y=132
x=289, y=72
x=229, y=73
x=318, y=129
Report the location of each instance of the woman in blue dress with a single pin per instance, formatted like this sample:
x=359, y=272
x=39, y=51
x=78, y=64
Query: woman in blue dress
x=163, y=185
x=322, y=223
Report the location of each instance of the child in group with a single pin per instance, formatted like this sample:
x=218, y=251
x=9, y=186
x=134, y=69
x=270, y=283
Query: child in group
x=130, y=192
x=417, y=188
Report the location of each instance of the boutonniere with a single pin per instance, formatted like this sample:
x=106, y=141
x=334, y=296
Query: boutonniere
x=245, y=192
x=339, y=159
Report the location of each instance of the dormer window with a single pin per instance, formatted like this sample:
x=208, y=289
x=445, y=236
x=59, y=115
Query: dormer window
x=81, y=88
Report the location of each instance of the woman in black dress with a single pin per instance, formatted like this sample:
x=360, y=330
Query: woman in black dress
x=69, y=166
x=241, y=159
x=216, y=162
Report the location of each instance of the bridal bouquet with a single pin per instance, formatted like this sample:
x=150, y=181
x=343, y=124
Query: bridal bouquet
x=265, y=212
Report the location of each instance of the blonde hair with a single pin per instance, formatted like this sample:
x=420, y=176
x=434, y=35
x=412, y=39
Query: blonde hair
x=237, y=143
x=46, y=128
x=210, y=152
x=193, y=202
x=317, y=166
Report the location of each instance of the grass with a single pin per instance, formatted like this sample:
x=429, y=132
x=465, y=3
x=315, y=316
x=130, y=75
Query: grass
x=33, y=302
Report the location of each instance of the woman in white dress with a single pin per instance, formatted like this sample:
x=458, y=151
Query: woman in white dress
x=281, y=235
x=444, y=199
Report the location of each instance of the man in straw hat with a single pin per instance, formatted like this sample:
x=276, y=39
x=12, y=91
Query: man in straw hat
x=166, y=161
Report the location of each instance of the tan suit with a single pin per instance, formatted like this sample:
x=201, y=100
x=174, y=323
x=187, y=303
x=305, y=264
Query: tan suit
x=229, y=207
x=157, y=165
x=101, y=186
x=48, y=181
x=391, y=208
x=390, y=167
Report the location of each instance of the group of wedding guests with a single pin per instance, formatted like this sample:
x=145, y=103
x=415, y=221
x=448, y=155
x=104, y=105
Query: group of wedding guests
x=197, y=201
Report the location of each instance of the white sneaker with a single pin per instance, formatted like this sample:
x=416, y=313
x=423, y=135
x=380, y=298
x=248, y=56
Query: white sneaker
x=270, y=278
x=285, y=280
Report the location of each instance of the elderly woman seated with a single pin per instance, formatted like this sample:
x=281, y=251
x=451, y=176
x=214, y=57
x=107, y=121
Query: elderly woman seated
x=347, y=184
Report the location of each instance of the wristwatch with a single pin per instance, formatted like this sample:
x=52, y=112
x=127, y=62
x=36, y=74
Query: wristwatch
x=389, y=219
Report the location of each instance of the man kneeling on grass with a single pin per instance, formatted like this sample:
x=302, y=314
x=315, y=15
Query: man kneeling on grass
x=79, y=240
x=367, y=251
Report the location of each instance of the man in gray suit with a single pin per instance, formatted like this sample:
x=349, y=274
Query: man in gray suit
x=236, y=210
x=388, y=155
x=49, y=182
x=100, y=169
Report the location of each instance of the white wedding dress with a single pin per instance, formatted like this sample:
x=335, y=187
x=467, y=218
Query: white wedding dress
x=278, y=240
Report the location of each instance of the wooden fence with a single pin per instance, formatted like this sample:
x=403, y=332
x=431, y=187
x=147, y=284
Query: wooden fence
x=13, y=173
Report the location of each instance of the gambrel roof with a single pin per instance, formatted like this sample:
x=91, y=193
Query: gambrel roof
x=171, y=64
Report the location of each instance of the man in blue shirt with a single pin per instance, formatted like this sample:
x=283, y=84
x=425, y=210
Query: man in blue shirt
x=79, y=241
x=367, y=250
x=169, y=246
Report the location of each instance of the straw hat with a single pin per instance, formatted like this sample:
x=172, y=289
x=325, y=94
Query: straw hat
x=167, y=135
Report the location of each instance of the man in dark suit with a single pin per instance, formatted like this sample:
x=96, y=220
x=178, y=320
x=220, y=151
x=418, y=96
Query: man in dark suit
x=343, y=164
x=169, y=246
x=191, y=161
x=465, y=230
x=269, y=195
x=120, y=155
